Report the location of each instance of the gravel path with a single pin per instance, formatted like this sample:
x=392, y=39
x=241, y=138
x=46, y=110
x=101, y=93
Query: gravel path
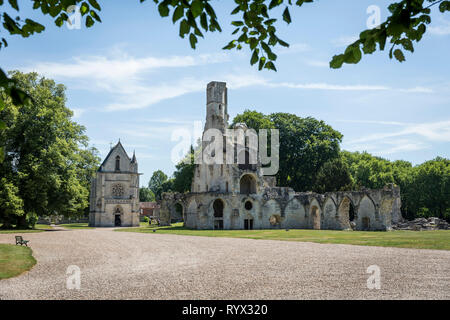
x=122, y=265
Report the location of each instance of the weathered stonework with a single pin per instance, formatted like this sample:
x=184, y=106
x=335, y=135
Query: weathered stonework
x=114, y=198
x=232, y=196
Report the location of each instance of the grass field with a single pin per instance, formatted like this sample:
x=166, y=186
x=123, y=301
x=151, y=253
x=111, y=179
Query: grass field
x=15, y=260
x=439, y=240
x=75, y=226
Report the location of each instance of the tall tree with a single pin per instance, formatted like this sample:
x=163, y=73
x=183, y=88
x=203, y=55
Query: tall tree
x=146, y=195
x=46, y=154
x=334, y=175
x=305, y=145
x=184, y=172
x=156, y=183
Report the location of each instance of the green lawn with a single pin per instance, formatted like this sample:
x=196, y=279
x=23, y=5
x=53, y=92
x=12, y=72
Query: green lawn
x=75, y=226
x=15, y=260
x=403, y=239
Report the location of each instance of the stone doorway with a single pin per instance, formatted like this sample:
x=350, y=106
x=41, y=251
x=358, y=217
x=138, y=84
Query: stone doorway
x=117, y=220
x=218, y=214
x=248, y=224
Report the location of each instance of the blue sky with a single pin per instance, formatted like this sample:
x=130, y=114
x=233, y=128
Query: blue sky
x=131, y=77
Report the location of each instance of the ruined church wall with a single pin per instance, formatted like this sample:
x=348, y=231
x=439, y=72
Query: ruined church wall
x=275, y=208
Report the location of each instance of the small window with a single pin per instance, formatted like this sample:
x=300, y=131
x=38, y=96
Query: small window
x=117, y=163
x=248, y=205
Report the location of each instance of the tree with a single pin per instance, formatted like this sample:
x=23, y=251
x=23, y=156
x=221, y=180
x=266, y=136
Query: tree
x=146, y=195
x=305, y=145
x=334, y=175
x=184, y=173
x=11, y=205
x=47, y=157
x=156, y=183
x=424, y=188
x=257, y=28
x=432, y=185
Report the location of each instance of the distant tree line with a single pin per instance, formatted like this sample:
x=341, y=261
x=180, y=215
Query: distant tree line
x=311, y=160
x=46, y=166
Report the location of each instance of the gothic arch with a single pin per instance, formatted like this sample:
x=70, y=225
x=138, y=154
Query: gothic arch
x=294, y=214
x=366, y=214
x=329, y=214
x=247, y=184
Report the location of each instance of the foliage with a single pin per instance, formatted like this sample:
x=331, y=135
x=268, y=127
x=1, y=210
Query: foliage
x=424, y=188
x=46, y=153
x=146, y=219
x=156, y=183
x=407, y=23
x=184, y=173
x=334, y=175
x=305, y=145
x=146, y=195
x=11, y=205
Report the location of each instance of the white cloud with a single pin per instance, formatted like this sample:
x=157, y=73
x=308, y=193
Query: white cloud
x=123, y=67
x=294, y=48
x=412, y=137
x=328, y=86
x=441, y=30
x=434, y=131
x=77, y=112
x=125, y=80
x=344, y=41
x=317, y=63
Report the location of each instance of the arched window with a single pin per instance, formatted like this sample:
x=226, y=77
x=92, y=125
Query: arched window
x=247, y=184
x=117, y=163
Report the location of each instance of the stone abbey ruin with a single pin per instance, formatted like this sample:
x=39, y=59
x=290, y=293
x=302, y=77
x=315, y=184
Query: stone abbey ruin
x=239, y=196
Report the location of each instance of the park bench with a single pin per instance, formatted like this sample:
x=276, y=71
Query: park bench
x=19, y=240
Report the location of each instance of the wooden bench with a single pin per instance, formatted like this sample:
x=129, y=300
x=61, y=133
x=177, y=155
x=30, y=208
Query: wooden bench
x=19, y=240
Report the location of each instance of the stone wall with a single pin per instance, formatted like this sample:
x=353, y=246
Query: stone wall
x=278, y=207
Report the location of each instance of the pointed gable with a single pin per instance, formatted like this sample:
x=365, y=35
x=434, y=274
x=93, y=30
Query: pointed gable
x=116, y=156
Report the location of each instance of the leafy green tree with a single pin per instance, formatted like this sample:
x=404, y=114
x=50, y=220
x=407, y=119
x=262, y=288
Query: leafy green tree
x=334, y=175
x=146, y=195
x=156, y=183
x=369, y=171
x=254, y=119
x=46, y=154
x=184, y=173
x=305, y=145
x=167, y=186
x=432, y=185
x=11, y=205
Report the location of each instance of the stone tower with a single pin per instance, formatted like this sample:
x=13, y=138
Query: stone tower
x=114, y=198
x=216, y=106
x=223, y=177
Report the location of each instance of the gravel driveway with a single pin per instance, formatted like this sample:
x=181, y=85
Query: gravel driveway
x=122, y=265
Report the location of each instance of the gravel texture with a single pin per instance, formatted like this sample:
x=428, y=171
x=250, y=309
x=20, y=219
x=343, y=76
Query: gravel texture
x=122, y=265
